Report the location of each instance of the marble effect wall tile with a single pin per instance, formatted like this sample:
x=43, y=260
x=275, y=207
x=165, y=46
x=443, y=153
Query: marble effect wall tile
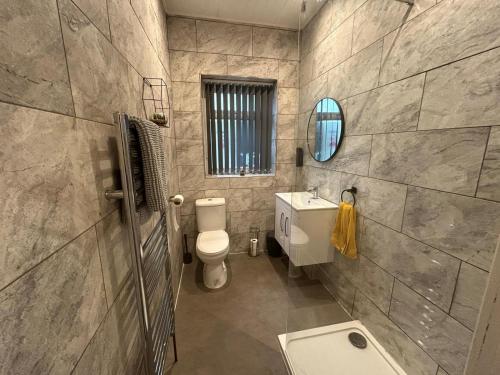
x=317, y=29
x=190, y=197
x=471, y=285
x=189, y=151
x=285, y=150
x=256, y=67
x=343, y=9
x=448, y=160
x=241, y=221
x=285, y=175
x=49, y=315
x=225, y=38
x=97, y=12
x=98, y=72
x=114, y=251
x=430, y=272
x=328, y=182
x=311, y=93
x=187, y=96
x=376, y=18
x=334, y=49
x=181, y=33
x=188, y=125
x=426, y=42
x=356, y=75
x=337, y=285
x=286, y=125
x=251, y=182
x=130, y=39
x=239, y=200
x=189, y=66
x=464, y=227
x=392, y=108
x=33, y=68
x=489, y=182
x=275, y=43
x=406, y=353
x=288, y=73
x=288, y=101
x=375, y=282
x=265, y=198
x=193, y=178
x=378, y=200
x=463, y=94
x=353, y=155
x=446, y=340
x=50, y=197
x=115, y=347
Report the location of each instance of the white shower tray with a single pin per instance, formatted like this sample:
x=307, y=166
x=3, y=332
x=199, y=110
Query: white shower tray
x=327, y=350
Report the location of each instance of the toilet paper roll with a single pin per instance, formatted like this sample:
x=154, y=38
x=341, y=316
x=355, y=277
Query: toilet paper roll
x=178, y=199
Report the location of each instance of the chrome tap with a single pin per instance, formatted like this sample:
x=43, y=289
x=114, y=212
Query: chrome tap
x=314, y=192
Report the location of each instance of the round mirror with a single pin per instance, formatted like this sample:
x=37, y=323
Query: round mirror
x=325, y=129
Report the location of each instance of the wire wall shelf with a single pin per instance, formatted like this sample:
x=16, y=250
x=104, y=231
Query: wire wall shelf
x=156, y=101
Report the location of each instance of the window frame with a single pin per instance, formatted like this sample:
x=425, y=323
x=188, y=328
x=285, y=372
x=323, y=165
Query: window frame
x=242, y=80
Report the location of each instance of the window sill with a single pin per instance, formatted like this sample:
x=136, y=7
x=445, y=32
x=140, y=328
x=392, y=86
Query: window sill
x=238, y=176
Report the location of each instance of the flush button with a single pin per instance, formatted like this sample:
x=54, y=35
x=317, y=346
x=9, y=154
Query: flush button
x=357, y=340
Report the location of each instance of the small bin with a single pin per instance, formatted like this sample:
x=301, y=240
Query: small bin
x=273, y=247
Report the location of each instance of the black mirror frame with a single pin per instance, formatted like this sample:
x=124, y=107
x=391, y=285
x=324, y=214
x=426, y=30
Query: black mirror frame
x=342, y=129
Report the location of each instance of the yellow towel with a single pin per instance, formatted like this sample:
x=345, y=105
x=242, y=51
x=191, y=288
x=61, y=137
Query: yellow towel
x=344, y=234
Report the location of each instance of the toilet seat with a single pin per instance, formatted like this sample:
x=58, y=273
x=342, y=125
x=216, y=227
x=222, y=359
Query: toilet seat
x=212, y=243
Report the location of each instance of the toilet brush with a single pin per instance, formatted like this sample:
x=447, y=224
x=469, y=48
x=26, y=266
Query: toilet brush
x=186, y=256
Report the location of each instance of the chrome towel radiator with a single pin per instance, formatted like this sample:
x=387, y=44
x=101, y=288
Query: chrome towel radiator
x=150, y=259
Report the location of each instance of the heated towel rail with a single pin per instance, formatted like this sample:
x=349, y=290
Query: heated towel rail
x=150, y=258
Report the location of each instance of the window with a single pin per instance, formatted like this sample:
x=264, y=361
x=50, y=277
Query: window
x=239, y=126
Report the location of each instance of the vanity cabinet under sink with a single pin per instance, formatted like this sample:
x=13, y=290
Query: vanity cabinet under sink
x=303, y=226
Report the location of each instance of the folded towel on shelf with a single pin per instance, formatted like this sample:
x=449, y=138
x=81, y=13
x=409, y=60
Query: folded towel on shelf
x=344, y=234
x=153, y=162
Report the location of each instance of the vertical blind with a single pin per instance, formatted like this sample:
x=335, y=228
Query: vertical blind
x=239, y=127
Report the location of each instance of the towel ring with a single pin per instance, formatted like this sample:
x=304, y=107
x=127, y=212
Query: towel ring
x=353, y=190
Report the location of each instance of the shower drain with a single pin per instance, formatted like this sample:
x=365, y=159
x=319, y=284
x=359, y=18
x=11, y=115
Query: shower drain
x=357, y=340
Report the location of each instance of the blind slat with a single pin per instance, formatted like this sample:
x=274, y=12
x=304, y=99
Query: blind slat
x=220, y=162
x=258, y=128
x=226, y=129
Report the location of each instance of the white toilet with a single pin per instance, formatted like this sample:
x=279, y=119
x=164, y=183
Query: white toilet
x=212, y=244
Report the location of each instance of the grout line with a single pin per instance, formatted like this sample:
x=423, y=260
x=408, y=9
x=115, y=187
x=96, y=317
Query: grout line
x=421, y=102
x=455, y=288
x=104, y=319
x=408, y=184
x=109, y=21
x=392, y=293
x=66, y=57
x=57, y=250
x=179, y=287
x=482, y=163
x=102, y=269
x=54, y=112
x=404, y=209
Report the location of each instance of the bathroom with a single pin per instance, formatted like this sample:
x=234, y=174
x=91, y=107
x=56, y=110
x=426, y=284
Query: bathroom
x=223, y=270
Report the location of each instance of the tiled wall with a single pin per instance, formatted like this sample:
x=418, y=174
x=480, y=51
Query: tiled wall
x=421, y=92
x=67, y=300
x=205, y=47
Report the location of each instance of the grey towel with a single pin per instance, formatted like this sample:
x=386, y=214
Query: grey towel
x=153, y=162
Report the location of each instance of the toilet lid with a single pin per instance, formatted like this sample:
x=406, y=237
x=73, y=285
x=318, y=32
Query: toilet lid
x=213, y=242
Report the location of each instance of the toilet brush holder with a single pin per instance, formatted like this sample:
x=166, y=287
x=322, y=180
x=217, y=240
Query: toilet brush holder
x=254, y=247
